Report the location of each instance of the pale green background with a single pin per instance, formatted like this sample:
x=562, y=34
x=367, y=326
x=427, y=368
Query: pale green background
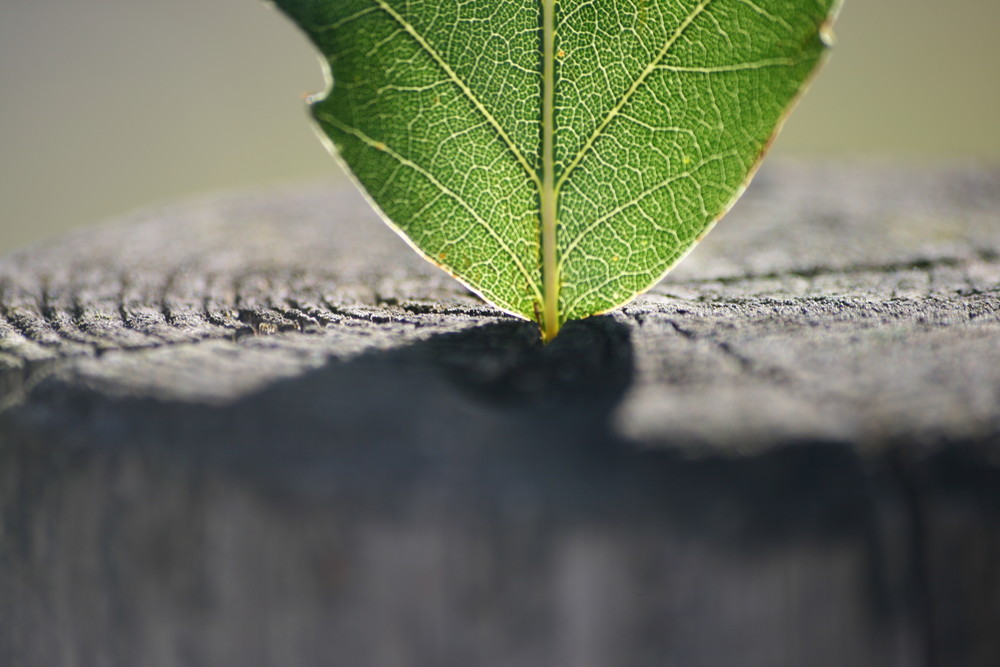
x=110, y=105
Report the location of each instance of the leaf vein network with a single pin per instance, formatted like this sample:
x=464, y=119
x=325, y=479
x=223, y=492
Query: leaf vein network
x=457, y=80
x=636, y=85
x=406, y=162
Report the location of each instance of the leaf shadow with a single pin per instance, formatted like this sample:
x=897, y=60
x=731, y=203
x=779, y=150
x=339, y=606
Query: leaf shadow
x=490, y=411
x=493, y=443
x=487, y=430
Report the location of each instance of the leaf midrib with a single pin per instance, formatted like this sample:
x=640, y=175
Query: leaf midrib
x=551, y=187
x=548, y=194
x=548, y=186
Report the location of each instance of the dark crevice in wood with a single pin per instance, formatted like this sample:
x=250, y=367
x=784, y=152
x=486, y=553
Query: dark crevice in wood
x=289, y=314
x=220, y=315
x=103, y=325
x=321, y=317
x=421, y=308
x=353, y=313
x=163, y=300
x=266, y=321
x=145, y=327
x=305, y=322
x=747, y=365
x=136, y=324
x=28, y=327
x=63, y=323
x=127, y=322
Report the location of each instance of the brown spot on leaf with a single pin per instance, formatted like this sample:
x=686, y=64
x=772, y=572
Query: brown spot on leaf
x=827, y=35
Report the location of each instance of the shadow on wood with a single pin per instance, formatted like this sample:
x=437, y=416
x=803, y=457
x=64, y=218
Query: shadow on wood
x=228, y=440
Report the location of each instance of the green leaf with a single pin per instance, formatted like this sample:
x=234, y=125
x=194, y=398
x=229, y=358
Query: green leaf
x=558, y=157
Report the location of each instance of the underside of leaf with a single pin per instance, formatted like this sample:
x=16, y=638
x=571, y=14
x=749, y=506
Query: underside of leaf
x=558, y=157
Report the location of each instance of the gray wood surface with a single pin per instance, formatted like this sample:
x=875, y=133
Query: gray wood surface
x=258, y=430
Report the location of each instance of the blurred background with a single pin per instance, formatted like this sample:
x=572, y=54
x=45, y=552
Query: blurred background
x=110, y=105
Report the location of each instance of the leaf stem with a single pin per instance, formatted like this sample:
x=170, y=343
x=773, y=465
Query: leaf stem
x=548, y=194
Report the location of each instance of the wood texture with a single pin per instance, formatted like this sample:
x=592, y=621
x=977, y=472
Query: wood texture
x=258, y=430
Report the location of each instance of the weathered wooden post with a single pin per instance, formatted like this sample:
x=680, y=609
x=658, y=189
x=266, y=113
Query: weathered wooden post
x=257, y=430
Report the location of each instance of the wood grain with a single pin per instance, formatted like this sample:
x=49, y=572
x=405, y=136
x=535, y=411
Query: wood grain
x=256, y=429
